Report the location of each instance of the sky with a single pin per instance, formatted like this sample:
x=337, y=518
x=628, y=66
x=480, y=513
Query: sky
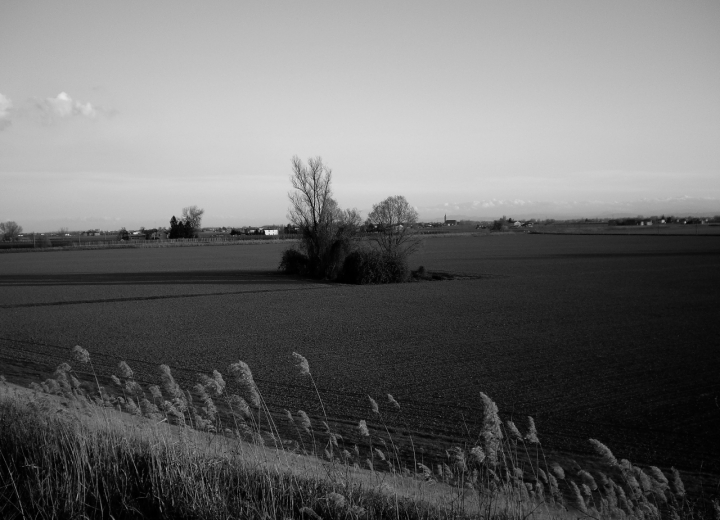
x=122, y=113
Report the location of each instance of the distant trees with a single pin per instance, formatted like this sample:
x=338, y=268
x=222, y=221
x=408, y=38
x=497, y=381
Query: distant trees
x=394, y=220
x=501, y=224
x=10, y=230
x=192, y=217
x=189, y=225
x=326, y=230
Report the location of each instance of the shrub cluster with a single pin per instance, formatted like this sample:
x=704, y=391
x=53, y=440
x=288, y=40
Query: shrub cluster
x=362, y=266
x=294, y=262
x=369, y=266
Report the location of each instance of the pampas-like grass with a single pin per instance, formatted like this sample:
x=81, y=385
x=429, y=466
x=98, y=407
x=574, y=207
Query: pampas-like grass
x=677, y=484
x=558, y=470
x=374, y=405
x=363, y=429
x=578, y=498
x=393, y=402
x=492, y=468
x=302, y=364
x=587, y=479
x=606, y=455
x=514, y=432
x=304, y=420
x=244, y=379
x=531, y=436
x=169, y=384
x=125, y=370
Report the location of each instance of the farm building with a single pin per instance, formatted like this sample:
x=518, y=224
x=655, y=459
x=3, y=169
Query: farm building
x=449, y=222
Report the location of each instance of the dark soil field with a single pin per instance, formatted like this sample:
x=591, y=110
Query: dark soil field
x=610, y=337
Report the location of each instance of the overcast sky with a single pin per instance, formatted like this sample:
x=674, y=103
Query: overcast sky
x=129, y=111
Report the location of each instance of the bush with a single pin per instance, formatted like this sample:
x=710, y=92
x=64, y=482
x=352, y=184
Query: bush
x=294, y=262
x=369, y=266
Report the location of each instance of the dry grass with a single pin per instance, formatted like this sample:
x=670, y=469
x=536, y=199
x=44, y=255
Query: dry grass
x=70, y=450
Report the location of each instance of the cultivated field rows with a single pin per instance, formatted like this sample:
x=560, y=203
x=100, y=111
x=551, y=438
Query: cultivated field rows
x=605, y=337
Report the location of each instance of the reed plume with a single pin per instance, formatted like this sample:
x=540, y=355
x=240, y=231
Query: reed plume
x=587, y=479
x=155, y=392
x=557, y=470
x=125, y=370
x=531, y=435
x=393, y=402
x=374, y=405
x=514, y=432
x=209, y=406
x=302, y=364
x=239, y=407
x=304, y=421
x=363, y=429
x=244, y=379
x=477, y=454
x=577, y=495
x=169, y=384
x=605, y=454
x=677, y=483
x=80, y=354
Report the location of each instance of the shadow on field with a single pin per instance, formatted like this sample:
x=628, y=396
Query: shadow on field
x=155, y=278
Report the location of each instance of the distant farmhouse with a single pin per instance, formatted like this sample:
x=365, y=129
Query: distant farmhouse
x=449, y=222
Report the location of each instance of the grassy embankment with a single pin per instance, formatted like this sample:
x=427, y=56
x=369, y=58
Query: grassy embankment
x=73, y=449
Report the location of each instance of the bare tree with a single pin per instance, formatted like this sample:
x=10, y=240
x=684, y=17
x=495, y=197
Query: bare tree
x=192, y=216
x=326, y=229
x=10, y=230
x=395, y=219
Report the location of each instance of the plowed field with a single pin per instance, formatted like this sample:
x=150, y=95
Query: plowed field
x=611, y=337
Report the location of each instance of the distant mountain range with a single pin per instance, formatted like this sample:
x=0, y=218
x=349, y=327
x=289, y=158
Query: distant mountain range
x=527, y=209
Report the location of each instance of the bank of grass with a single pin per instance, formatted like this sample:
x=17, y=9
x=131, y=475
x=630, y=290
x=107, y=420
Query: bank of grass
x=72, y=449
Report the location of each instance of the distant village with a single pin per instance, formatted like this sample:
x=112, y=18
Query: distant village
x=502, y=224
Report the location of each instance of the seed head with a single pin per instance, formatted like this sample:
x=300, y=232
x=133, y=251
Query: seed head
x=491, y=420
x=336, y=500
x=363, y=429
x=169, y=384
x=302, y=364
x=579, y=500
x=659, y=476
x=304, y=421
x=374, y=405
x=604, y=452
x=219, y=382
x=587, y=479
x=133, y=387
x=477, y=454
x=531, y=436
x=125, y=370
x=80, y=354
x=393, y=402
x=239, y=406
x=514, y=432
x=244, y=378
x=155, y=392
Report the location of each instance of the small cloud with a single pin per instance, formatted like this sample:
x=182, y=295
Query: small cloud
x=63, y=106
x=5, y=106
